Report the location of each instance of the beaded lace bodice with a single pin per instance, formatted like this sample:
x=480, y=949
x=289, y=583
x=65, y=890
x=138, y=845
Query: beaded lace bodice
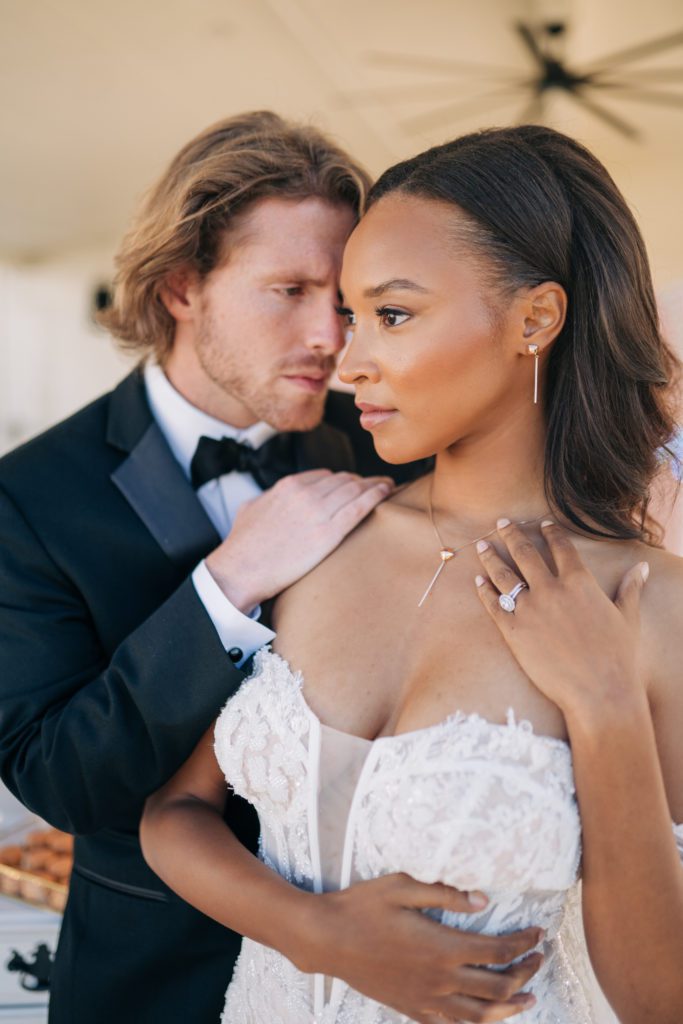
x=466, y=802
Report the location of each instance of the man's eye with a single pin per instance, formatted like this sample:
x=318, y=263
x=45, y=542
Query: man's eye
x=392, y=317
x=294, y=289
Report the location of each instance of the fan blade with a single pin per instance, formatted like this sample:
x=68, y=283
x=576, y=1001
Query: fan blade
x=452, y=111
x=605, y=115
x=643, y=75
x=665, y=99
x=659, y=45
x=435, y=65
x=531, y=43
x=533, y=112
x=405, y=93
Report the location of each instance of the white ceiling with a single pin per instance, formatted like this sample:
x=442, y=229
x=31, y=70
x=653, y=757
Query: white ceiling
x=98, y=96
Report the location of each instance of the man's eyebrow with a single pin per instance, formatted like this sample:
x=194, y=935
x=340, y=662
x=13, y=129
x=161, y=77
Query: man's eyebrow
x=397, y=284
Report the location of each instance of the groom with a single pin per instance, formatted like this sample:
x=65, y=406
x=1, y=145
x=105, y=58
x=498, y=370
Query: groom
x=136, y=548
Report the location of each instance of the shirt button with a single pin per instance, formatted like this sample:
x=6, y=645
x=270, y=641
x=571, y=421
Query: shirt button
x=235, y=654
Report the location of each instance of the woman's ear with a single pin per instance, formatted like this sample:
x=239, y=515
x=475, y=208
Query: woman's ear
x=544, y=314
x=180, y=293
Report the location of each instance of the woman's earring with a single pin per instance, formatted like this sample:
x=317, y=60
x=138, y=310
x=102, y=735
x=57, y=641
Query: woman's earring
x=533, y=351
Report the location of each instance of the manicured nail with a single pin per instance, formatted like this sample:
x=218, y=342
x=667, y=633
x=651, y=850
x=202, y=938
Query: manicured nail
x=477, y=900
x=502, y=523
x=547, y=522
x=644, y=570
x=482, y=545
x=479, y=580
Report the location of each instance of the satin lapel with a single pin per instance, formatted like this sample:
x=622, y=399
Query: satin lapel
x=151, y=480
x=324, y=448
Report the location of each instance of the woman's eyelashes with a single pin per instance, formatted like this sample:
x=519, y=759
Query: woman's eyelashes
x=388, y=316
x=391, y=317
x=347, y=314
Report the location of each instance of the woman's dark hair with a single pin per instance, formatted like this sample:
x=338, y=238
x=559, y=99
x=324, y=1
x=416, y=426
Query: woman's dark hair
x=540, y=207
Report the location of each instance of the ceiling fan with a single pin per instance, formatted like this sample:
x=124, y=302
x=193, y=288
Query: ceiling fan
x=611, y=76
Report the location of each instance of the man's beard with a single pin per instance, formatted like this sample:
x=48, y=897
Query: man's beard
x=262, y=395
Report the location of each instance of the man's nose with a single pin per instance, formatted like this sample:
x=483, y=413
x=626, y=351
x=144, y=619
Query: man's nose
x=326, y=330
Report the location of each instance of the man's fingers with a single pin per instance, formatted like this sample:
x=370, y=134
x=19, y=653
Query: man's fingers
x=307, y=478
x=348, y=491
x=359, y=505
x=329, y=482
x=347, y=486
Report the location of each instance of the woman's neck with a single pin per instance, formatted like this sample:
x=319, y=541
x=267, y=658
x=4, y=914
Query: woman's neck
x=480, y=480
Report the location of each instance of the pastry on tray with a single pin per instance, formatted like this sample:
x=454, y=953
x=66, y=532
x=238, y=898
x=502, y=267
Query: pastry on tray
x=37, y=867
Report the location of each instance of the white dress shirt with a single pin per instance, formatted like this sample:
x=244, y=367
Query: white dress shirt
x=182, y=424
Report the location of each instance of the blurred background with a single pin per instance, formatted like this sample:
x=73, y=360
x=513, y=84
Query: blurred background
x=98, y=97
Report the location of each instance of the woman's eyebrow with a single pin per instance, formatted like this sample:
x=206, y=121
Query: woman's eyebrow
x=396, y=284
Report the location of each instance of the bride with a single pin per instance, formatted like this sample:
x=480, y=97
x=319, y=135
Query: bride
x=481, y=686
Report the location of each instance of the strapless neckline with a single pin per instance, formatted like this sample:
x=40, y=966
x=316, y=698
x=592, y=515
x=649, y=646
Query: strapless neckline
x=456, y=717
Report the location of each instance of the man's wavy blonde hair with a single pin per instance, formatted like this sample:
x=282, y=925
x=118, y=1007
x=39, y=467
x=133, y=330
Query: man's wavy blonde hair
x=184, y=220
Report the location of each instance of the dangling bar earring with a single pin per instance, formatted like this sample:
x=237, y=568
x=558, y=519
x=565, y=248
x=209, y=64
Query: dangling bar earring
x=533, y=351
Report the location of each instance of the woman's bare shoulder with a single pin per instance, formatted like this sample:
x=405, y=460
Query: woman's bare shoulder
x=341, y=581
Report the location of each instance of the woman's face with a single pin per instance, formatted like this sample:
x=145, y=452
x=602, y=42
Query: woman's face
x=427, y=350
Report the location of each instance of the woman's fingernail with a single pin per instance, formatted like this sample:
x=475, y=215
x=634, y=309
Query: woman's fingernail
x=502, y=523
x=479, y=580
x=477, y=900
x=547, y=522
x=482, y=545
x=644, y=570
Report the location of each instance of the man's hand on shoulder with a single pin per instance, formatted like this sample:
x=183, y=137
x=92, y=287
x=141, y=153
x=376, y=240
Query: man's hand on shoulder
x=284, y=533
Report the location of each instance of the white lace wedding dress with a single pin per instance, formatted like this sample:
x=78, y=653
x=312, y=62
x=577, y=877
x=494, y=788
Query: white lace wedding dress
x=466, y=802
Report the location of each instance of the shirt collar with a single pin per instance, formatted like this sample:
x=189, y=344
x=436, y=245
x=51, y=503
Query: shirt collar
x=182, y=423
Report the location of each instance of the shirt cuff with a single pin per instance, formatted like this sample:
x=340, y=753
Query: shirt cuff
x=236, y=630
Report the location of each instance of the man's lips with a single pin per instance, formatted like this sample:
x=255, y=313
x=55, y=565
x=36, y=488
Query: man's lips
x=372, y=415
x=310, y=380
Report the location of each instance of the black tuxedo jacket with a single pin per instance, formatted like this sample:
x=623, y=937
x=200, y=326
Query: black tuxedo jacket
x=110, y=671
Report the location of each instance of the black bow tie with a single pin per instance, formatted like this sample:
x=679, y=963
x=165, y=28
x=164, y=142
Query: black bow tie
x=267, y=464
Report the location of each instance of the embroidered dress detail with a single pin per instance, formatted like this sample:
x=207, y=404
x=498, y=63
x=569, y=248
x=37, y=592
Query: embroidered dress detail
x=467, y=802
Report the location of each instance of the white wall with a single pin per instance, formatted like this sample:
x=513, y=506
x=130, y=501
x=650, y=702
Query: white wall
x=53, y=357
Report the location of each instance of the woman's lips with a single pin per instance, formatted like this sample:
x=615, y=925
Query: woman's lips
x=372, y=415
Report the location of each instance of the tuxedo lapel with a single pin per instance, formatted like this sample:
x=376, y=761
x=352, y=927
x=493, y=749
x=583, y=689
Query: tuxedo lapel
x=154, y=485
x=151, y=480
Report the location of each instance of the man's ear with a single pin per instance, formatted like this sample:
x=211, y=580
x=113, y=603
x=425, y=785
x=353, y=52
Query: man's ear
x=544, y=314
x=180, y=294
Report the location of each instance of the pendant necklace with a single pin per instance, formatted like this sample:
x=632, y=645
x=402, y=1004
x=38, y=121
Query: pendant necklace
x=447, y=553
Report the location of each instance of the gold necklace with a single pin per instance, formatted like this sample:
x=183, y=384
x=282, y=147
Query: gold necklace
x=447, y=553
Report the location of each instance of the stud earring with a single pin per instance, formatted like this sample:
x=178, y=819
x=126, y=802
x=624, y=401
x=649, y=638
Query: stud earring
x=533, y=351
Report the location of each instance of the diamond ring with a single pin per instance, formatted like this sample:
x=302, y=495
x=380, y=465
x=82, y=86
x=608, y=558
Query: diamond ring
x=507, y=601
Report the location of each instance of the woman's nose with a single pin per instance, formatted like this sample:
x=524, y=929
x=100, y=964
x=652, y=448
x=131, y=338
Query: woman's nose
x=357, y=363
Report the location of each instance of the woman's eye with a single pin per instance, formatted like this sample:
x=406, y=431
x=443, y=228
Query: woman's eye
x=347, y=315
x=294, y=289
x=392, y=317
